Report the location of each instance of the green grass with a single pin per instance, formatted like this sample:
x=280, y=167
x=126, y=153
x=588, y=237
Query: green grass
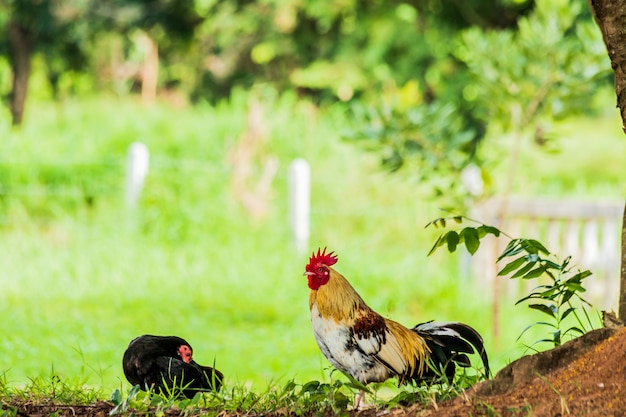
x=81, y=277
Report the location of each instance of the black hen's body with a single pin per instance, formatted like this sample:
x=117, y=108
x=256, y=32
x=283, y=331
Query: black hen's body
x=153, y=362
x=449, y=343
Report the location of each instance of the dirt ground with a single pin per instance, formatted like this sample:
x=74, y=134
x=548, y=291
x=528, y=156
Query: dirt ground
x=584, y=377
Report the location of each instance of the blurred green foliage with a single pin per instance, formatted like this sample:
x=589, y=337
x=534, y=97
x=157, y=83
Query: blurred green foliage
x=498, y=82
x=340, y=49
x=427, y=81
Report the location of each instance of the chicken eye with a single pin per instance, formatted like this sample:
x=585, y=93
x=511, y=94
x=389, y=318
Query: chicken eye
x=320, y=269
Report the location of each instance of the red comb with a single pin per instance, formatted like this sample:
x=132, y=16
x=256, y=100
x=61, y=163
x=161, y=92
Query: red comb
x=321, y=257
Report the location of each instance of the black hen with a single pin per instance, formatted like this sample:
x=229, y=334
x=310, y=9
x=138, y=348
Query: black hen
x=449, y=342
x=165, y=365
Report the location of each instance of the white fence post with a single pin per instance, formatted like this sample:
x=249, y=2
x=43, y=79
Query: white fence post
x=300, y=202
x=136, y=171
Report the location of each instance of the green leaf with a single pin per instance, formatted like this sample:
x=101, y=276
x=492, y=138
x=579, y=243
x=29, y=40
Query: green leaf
x=574, y=286
x=195, y=400
x=452, y=238
x=116, y=397
x=528, y=247
x=550, y=309
x=523, y=270
x=483, y=230
x=341, y=401
x=354, y=383
x=566, y=296
x=530, y=326
x=545, y=323
x=289, y=386
x=512, y=266
x=513, y=248
x=567, y=312
x=579, y=276
x=542, y=287
x=404, y=397
x=551, y=264
x=555, y=343
x=537, y=272
x=472, y=242
x=574, y=329
x=440, y=241
x=134, y=391
x=311, y=386
x=536, y=247
x=458, y=219
x=550, y=294
x=435, y=223
x=530, y=297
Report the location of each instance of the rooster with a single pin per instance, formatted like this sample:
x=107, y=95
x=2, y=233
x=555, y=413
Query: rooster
x=370, y=348
x=165, y=364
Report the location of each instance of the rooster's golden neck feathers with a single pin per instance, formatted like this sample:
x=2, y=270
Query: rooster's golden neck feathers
x=337, y=298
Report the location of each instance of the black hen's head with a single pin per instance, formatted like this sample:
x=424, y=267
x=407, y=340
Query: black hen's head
x=170, y=346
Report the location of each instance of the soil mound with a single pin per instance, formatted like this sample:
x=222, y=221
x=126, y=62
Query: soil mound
x=584, y=377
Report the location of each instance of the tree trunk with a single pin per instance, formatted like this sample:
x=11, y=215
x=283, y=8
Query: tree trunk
x=610, y=15
x=622, y=282
x=21, y=47
x=149, y=70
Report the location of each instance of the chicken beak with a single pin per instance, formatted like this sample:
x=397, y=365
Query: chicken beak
x=307, y=273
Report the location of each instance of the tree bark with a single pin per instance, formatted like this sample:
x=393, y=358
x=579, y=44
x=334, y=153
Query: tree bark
x=622, y=282
x=21, y=47
x=610, y=16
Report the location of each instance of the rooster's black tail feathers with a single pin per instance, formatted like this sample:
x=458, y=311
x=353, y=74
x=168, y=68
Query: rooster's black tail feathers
x=449, y=344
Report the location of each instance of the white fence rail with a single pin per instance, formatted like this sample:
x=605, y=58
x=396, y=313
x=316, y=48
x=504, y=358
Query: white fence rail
x=587, y=231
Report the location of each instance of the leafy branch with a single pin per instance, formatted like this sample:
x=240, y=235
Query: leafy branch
x=470, y=236
x=559, y=298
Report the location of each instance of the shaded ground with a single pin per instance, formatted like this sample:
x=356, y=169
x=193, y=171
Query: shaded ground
x=584, y=377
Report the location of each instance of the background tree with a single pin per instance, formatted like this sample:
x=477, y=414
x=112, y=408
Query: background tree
x=162, y=29
x=65, y=32
x=436, y=125
x=32, y=26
